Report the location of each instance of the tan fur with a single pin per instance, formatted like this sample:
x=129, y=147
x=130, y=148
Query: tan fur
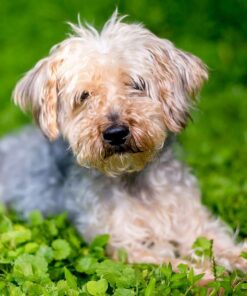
x=38, y=91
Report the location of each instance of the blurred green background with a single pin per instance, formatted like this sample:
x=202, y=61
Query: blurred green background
x=215, y=142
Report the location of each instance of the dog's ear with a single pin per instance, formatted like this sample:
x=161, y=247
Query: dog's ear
x=178, y=77
x=38, y=91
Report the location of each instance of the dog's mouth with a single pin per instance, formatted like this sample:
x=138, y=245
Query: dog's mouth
x=121, y=149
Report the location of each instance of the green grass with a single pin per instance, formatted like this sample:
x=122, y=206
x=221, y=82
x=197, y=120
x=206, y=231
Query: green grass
x=47, y=257
x=33, y=259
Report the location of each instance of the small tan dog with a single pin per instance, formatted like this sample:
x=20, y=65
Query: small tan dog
x=117, y=97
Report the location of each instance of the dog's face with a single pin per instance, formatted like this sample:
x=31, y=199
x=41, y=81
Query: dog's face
x=113, y=95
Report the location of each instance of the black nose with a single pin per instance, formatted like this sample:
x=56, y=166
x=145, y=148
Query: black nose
x=116, y=135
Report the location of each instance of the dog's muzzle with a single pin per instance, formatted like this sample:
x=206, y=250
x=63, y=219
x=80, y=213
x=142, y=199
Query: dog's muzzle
x=118, y=140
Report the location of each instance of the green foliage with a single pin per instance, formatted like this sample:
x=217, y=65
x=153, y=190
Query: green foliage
x=30, y=268
x=97, y=288
x=61, y=249
x=202, y=247
x=56, y=265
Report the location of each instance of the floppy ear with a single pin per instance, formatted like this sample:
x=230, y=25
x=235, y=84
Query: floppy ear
x=37, y=91
x=178, y=76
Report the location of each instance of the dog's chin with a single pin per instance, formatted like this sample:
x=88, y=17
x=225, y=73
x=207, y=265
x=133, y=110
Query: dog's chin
x=120, y=150
x=120, y=162
x=124, y=162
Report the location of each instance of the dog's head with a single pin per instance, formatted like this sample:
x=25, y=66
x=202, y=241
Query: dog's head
x=113, y=95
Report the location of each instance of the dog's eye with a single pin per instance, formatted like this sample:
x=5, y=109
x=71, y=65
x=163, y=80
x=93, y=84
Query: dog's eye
x=140, y=85
x=136, y=86
x=84, y=96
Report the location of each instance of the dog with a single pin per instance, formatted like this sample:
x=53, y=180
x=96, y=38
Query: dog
x=109, y=105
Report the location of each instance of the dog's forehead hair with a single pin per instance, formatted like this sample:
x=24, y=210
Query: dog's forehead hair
x=104, y=56
x=95, y=76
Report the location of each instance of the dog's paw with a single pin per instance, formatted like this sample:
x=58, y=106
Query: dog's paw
x=233, y=260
